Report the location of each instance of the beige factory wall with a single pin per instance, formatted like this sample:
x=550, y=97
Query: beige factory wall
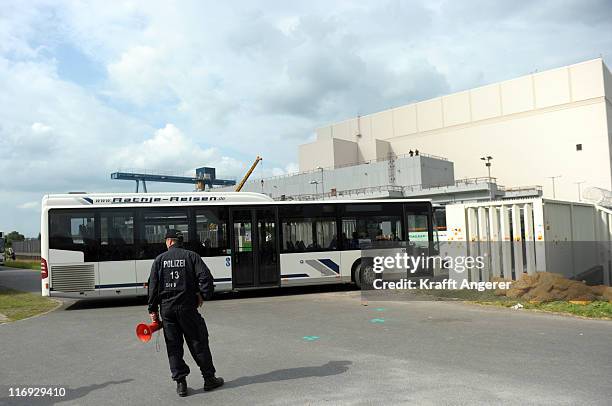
x=347, y=130
x=374, y=149
x=485, y=102
x=404, y=120
x=573, y=83
x=316, y=154
x=345, y=153
x=536, y=91
x=528, y=148
x=529, y=124
x=331, y=152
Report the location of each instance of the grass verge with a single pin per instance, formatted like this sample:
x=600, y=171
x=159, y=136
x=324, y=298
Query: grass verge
x=597, y=309
x=16, y=305
x=23, y=264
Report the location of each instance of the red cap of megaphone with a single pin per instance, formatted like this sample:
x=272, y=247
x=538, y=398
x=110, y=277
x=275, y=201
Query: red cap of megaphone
x=144, y=332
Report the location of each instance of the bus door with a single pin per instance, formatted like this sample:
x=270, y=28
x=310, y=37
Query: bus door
x=255, y=259
x=419, y=229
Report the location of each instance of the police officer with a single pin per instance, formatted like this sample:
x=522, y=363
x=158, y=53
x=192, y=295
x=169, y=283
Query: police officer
x=179, y=282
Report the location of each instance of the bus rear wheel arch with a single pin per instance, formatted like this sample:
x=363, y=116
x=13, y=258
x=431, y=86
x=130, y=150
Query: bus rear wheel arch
x=363, y=272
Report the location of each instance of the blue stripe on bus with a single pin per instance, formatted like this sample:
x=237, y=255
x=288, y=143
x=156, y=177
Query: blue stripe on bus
x=330, y=264
x=121, y=285
x=141, y=285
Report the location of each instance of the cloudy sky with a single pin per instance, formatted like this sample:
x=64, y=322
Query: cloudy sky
x=90, y=87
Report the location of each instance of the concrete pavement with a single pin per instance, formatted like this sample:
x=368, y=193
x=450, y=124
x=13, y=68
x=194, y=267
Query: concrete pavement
x=317, y=348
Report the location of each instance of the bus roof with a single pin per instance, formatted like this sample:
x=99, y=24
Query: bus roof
x=182, y=199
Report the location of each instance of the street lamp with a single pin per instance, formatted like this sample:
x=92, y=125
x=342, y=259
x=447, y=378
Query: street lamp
x=553, y=184
x=314, y=182
x=488, y=160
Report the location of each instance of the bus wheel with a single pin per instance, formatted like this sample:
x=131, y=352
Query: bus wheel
x=367, y=276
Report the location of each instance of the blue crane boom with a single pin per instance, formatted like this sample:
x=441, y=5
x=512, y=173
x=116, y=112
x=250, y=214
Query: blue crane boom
x=204, y=176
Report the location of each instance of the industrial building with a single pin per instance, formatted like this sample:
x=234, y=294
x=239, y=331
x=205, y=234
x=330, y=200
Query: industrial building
x=547, y=127
x=410, y=176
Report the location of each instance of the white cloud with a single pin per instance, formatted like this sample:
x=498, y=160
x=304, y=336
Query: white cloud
x=40, y=128
x=167, y=149
x=72, y=134
x=288, y=25
x=170, y=150
x=291, y=167
x=139, y=75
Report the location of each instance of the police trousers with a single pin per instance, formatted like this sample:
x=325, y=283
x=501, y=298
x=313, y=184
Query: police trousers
x=179, y=322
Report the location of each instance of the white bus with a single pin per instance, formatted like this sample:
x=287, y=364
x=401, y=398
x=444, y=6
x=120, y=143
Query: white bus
x=96, y=245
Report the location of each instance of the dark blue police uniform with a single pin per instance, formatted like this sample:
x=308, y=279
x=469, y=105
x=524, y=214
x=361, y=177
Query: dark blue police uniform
x=177, y=276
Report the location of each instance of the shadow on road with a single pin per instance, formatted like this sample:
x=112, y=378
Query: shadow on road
x=328, y=369
x=244, y=294
x=76, y=393
x=286, y=291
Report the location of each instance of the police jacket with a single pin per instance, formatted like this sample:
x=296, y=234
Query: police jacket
x=176, y=277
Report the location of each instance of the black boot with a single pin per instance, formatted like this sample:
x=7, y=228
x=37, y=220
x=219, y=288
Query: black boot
x=181, y=387
x=212, y=383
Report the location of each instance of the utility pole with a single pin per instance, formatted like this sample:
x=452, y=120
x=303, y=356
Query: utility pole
x=579, y=189
x=553, y=184
x=322, y=182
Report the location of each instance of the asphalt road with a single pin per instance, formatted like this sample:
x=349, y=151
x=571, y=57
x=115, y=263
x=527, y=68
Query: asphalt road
x=422, y=353
x=26, y=280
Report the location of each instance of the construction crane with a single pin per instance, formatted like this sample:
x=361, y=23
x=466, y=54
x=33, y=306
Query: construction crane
x=249, y=172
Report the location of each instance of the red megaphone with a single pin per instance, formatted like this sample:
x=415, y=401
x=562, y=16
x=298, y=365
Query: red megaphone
x=144, y=332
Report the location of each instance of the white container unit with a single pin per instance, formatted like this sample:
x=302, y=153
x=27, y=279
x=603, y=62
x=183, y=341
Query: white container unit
x=530, y=235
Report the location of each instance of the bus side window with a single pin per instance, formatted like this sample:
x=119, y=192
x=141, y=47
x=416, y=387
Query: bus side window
x=418, y=230
x=116, y=236
x=363, y=224
x=308, y=234
x=73, y=231
x=211, y=232
x=156, y=222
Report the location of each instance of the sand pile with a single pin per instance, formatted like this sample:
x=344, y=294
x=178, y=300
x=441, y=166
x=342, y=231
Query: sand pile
x=549, y=287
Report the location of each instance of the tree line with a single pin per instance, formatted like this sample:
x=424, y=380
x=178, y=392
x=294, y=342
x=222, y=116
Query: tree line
x=14, y=236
